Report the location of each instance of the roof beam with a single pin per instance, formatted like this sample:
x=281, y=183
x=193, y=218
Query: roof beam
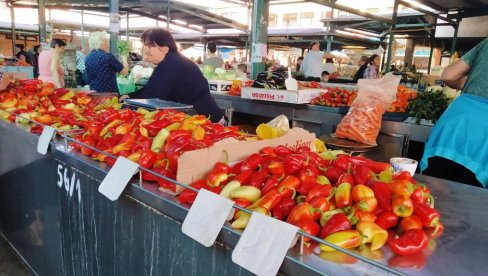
x=427, y=12
x=157, y=17
x=208, y=16
x=432, y=5
x=352, y=25
x=351, y=10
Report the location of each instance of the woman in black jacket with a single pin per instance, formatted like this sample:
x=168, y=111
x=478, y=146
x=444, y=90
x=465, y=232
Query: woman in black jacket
x=363, y=64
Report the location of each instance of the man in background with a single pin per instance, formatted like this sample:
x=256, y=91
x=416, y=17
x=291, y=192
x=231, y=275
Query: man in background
x=212, y=58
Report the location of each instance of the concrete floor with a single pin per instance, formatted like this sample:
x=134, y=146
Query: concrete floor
x=10, y=264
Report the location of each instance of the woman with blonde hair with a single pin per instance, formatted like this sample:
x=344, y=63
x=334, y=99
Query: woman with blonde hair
x=101, y=68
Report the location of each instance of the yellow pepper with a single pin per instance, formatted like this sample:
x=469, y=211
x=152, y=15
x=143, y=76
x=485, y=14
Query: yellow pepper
x=246, y=192
x=159, y=140
x=111, y=124
x=372, y=233
x=242, y=218
x=198, y=133
x=345, y=239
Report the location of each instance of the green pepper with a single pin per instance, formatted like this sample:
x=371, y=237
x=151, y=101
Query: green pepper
x=159, y=140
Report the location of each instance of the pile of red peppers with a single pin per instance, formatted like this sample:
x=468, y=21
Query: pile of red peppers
x=348, y=201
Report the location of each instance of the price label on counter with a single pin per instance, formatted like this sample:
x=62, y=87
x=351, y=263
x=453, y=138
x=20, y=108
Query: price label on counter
x=117, y=178
x=263, y=245
x=206, y=217
x=46, y=137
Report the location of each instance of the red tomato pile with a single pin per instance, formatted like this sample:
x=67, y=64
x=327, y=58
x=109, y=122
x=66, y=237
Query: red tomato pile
x=335, y=97
x=348, y=201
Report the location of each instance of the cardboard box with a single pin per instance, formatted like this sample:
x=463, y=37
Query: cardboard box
x=275, y=95
x=194, y=165
x=219, y=86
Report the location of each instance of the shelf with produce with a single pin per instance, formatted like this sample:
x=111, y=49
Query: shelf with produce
x=309, y=261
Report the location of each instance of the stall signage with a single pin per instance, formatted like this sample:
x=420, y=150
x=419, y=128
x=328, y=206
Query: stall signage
x=117, y=178
x=206, y=217
x=46, y=136
x=69, y=181
x=263, y=245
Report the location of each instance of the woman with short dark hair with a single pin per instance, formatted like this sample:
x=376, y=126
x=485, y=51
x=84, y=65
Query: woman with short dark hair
x=50, y=69
x=175, y=78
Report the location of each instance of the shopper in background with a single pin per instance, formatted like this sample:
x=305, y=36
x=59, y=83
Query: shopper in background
x=101, y=68
x=22, y=54
x=50, y=69
x=299, y=63
x=329, y=66
x=457, y=148
x=372, y=72
x=34, y=58
x=325, y=77
x=212, y=58
x=363, y=64
x=199, y=60
x=312, y=65
x=175, y=78
x=80, y=67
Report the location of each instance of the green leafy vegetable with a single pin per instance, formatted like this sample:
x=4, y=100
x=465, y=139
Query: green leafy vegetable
x=123, y=48
x=428, y=105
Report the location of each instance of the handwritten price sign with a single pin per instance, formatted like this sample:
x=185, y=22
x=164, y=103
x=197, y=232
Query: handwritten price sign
x=264, y=244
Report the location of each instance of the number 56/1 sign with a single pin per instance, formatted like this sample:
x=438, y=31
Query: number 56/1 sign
x=263, y=245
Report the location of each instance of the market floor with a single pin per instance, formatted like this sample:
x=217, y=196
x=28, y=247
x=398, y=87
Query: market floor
x=10, y=265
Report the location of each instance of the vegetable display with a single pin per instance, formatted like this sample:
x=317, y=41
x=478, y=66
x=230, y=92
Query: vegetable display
x=428, y=105
x=309, y=190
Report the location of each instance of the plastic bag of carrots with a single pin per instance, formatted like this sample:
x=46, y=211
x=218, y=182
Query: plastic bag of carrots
x=363, y=121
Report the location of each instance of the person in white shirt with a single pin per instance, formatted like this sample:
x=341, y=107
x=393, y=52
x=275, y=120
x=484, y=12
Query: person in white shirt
x=329, y=66
x=312, y=65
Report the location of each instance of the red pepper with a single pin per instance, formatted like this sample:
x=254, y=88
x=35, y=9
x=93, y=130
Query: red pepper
x=436, y=231
x=178, y=140
x=382, y=194
x=378, y=167
x=243, y=177
x=108, y=116
x=154, y=127
x=367, y=204
x=216, y=178
x=345, y=177
x=187, y=195
x=268, y=201
x=308, y=226
x=429, y=216
x=147, y=159
x=288, y=186
x=364, y=216
x=163, y=183
x=302, y=211
x=283, y=150
x=126, y=144
x=257, y=179
x=333, y=174
x=244, y=203
x=293, y=163
x=252, y=162
x=342, y=162
x=314, y=158
x=404, y=175
x=338, y=222
x=308, y=177
x=401, y=186
x=387, y=220
x=320, y=203
x=319, y=191
x=360, y=192
x=410, y=243
x=411, y=222
x=270, y=183
x=422, y=194
x=269, y=151
x=283, y=208
x=276, y=168
x=362, y=174
x=126, y=114
x=236, y=169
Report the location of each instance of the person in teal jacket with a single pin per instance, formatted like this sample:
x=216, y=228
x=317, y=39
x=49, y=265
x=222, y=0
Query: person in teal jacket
x=457, y=148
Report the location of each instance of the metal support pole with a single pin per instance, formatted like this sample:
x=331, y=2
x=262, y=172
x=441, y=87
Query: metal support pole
x=127, y=26
x=260, y=10
x=204, y=49
x=329, y=43
x=392, y=36
x=42, y=20
x=168, y=17
x=432, y=37
x=82, y=29
x=114, y=26
x=454, y=38
x=12, y=24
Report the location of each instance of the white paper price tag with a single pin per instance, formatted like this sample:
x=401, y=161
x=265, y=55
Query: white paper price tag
x=117, y=178
x=46, y=136
x=206, y=217
x=264, y=244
